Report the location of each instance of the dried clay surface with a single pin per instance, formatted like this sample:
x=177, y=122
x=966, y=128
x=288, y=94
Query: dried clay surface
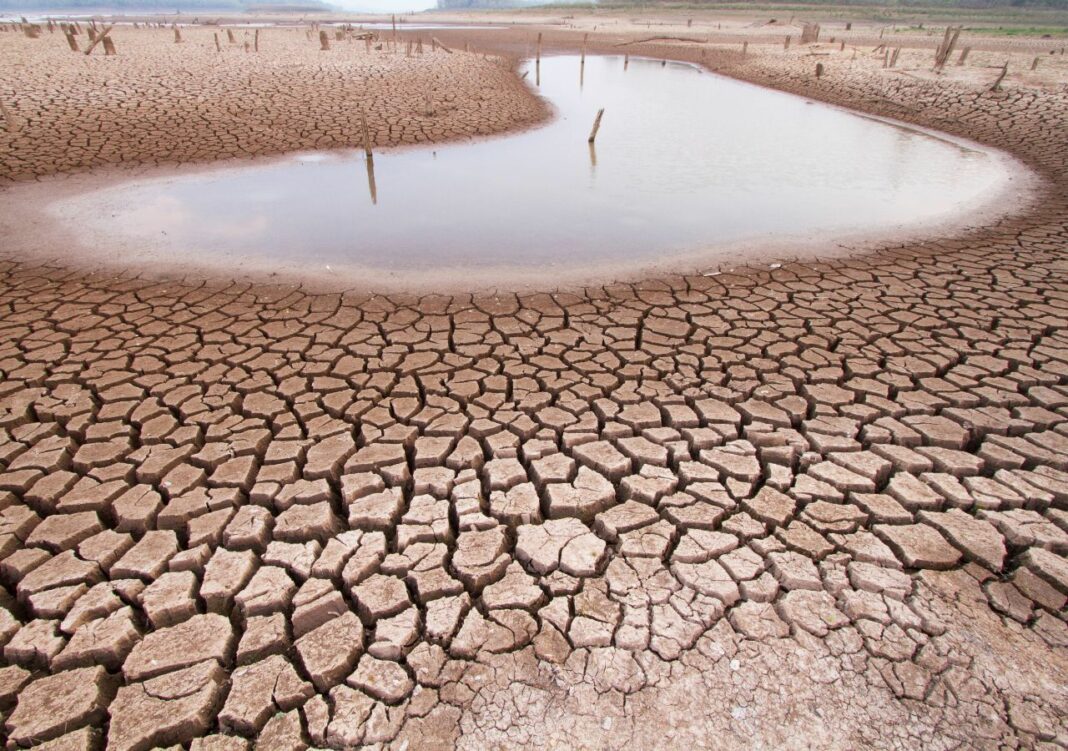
x=818, y=506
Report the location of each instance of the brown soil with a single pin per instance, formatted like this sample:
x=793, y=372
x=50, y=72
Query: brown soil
x=158, y=102
x=820, y=506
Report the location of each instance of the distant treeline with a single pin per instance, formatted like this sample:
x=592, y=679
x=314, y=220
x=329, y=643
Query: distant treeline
x=156, y=6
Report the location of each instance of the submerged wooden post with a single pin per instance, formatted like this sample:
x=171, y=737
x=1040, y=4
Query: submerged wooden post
x=596, y=125
x=324, y=41
x=584, y=38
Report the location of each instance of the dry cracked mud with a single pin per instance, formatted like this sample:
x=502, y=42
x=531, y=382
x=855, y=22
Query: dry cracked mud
x=822, y=505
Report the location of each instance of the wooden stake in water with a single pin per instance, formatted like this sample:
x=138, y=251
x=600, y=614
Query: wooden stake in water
x=584, y=38
x=626, y=61
x=596, y=125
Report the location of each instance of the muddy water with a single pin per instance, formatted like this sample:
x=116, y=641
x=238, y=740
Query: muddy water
x=685, y=162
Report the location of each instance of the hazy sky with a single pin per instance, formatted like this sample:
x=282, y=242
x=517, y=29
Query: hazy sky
x=384, y=6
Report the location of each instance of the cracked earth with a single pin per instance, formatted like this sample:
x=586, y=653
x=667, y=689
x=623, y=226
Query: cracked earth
x=824, y=505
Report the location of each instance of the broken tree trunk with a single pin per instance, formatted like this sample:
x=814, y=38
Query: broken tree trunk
x=596, y=125
x=1001, y=77
x=99, y=38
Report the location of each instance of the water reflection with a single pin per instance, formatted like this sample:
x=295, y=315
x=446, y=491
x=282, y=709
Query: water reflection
x=690, y=161
x=370, y=162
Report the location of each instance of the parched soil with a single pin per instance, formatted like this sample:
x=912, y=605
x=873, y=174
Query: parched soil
x=161, y=102
x=816, y=506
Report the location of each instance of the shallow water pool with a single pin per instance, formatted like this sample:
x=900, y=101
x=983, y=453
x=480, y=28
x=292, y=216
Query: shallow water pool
x=685, y=162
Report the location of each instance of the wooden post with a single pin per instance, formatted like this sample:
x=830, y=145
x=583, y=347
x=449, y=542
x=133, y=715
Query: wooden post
x=893, y=57
x=1001, y=77
x=745, y=48
x=596, y=125
x=109, y=46
x=72, y=42
x=1034, y=63
x=419, y=46
x=218, y=47
x=366, y=135
x=98, y=39
x=963, y=55
x=256, y=40
x=177, y=35
x=584, y=38
x=230, y=36
x=786, y=44
x=537, y=54
x=12, y=126
x=439, y=44
x=324, y=41
x=819, y=70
